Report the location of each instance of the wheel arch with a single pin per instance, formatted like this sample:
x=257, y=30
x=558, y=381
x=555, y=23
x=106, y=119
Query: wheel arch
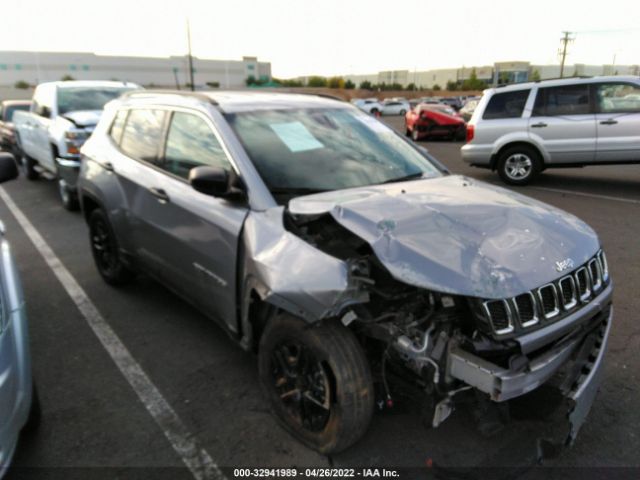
x=495, y=156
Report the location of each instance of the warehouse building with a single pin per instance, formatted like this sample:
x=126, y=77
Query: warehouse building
x=37, y=67
x=498, y=73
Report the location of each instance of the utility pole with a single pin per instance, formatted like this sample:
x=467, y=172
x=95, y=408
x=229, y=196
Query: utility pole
x=563, y=52
x=189, y=57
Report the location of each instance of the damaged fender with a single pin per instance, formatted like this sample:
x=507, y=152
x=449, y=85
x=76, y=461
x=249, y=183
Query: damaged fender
x=291, y=274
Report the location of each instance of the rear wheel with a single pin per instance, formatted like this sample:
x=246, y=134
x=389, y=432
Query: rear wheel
x=403, y=112
x=317, y=381
x=105, y=250
x=519, y=165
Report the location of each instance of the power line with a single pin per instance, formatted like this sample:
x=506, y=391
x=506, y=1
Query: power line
x=565, y=40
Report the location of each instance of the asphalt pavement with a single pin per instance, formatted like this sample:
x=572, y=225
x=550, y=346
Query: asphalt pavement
x=94, y=424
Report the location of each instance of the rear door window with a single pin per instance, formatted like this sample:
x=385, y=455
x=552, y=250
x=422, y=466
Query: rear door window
x=563, y=100
x=506, y=105
x=618, y=98
x=191, y=143
x=142, y=134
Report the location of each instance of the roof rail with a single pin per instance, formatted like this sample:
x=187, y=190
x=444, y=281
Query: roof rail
x=183, y=93
x=563, y=78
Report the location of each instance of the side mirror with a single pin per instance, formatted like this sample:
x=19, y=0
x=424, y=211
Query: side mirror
x=8, y=167
x=215, y=181
x=45, y=112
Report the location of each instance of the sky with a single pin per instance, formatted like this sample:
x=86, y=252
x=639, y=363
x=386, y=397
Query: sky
x=332, y=37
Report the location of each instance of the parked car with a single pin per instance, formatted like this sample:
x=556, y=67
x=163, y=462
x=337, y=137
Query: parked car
x=7, y=129
x=346, y=256
x=19, y=405
x=369, y=105
x=62, y=116
x=428, y=121
x=453, y=102
x=468, y=108
x=521, y=130
x=395, y=107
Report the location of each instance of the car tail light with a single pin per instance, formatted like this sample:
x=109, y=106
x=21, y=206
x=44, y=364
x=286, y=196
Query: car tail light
x=470, y=132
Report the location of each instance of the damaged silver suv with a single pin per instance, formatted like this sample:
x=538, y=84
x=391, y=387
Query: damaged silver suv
x=346, y=256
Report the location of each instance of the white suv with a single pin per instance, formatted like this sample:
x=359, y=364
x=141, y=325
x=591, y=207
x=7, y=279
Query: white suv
x=520, y=130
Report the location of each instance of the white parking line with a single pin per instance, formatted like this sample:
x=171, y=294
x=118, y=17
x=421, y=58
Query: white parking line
x=196, y=458
x=590, y=195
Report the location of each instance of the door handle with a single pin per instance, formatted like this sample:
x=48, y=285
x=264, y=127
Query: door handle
x=160, y=194
x=539, y=125
x=609, y=122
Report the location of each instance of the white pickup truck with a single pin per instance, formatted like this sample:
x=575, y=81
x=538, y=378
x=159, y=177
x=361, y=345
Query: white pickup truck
x=61, y=118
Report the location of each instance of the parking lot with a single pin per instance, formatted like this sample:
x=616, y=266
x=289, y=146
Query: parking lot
x=93, y=419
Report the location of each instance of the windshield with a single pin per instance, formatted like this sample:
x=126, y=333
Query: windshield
x=73, y=99
x=313, y=150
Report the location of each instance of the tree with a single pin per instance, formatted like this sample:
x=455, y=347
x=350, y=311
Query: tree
x=436, y=88
x=452, y=86
x=473, y=83
x=67, y=78
x=335, y=82
x=366, y=85
x=535, y=76
x=213, y=84
x=349, y=85
x=411, y=86
x=316, y=81
x=21, y=84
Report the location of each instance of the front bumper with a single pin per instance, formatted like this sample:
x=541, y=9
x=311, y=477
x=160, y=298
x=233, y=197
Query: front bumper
x=69, y=170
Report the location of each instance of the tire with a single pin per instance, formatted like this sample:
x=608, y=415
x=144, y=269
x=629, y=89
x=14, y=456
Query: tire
x=403, y=112
x=28, y=165
x=407, y=132
x=105, y=250
x=519, y=165
x=35, y=412
x=376, y=113
x=340, y=400
x=68, y=197
x=415, y=134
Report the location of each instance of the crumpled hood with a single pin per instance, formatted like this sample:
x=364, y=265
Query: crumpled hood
x=83, y=118
x=457, y=235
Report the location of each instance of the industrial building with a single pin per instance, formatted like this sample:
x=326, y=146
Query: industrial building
x=37, y=67
x=498, y=73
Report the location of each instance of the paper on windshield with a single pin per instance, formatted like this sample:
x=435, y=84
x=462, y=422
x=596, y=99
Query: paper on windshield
x=296, y=136
x=373, y=124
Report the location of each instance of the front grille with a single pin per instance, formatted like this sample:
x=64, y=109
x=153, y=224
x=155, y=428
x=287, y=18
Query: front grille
x=582, y=281
x=549, y=301
x=526, y=308
x=498, y=312
x=568, y=292
x=596, y=277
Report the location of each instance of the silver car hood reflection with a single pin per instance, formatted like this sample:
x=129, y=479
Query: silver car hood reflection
x=457, y=235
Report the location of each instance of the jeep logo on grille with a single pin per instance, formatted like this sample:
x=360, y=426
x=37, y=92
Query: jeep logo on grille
x=564, y=265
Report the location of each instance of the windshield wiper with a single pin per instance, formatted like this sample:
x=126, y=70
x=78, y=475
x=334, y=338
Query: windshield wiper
x=295, y=191
x=413, y=176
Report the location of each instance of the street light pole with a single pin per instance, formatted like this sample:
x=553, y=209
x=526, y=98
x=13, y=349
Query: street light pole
x=189, y=57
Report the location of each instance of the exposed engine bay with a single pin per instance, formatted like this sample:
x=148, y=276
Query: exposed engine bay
x=444, y=344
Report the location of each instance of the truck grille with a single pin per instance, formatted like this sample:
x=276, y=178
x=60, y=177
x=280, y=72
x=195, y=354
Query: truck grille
x=551, y=300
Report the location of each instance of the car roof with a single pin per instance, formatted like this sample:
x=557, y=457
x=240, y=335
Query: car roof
x=238, y=101
x=556, y=82
x=8, y=103
x=89, y=83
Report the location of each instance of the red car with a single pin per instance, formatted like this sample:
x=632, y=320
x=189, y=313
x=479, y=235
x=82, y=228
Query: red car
x=431, y=120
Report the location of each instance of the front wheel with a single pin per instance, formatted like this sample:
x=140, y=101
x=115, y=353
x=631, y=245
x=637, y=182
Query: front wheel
x=105, y=250
x=317, y=380
x=403, y=112
x=519, y=165
x=29, y=164
x=69, y=197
